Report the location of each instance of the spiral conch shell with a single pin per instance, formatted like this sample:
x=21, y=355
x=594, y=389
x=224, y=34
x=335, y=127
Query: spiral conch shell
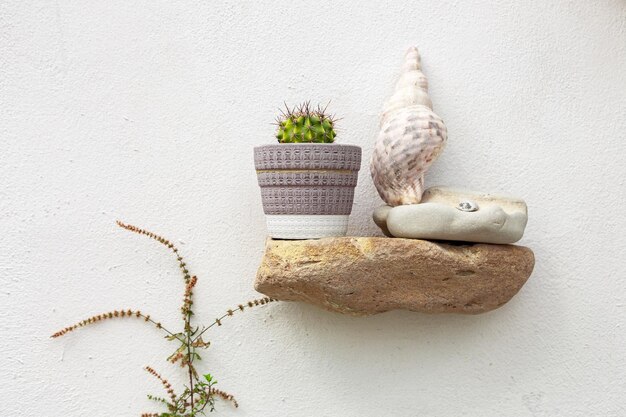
x=411, y=137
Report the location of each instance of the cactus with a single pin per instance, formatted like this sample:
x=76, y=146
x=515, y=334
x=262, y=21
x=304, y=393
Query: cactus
x=305, y=125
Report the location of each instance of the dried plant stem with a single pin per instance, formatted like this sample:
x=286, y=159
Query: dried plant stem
x=201, y=392
x=225, y=396
x=231, y=312
x=108, y=316
x=186, y=310
x=181, y=262
x=190, y=371
x=187, y=302
x=164, y=382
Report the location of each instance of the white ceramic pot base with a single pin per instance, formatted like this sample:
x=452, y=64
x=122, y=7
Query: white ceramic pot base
x=306, y=226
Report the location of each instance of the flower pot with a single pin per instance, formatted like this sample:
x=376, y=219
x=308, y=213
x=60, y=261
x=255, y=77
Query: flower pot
x=307, y=188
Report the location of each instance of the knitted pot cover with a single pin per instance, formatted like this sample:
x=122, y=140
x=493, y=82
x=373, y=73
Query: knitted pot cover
x=307, y=189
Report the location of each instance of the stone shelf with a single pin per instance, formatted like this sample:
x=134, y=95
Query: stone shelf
x=369, y=275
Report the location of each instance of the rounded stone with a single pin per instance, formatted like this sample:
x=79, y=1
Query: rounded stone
x=499, y=220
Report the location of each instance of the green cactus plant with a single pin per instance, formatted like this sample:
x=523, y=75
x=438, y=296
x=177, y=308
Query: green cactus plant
x=303, y=124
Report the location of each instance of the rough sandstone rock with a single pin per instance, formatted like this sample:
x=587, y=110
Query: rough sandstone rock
x=369, y=275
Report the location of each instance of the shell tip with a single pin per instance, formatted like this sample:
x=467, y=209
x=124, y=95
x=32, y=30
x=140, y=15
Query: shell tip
x=412, y=58
x=412, y=50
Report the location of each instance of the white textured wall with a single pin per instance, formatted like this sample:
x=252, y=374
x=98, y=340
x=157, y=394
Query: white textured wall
x=148, y=112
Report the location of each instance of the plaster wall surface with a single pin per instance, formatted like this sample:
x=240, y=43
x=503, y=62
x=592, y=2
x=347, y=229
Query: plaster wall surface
x=148, y=111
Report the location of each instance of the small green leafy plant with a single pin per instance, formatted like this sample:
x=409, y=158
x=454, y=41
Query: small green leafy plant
x=303, y=124
x=198, y=397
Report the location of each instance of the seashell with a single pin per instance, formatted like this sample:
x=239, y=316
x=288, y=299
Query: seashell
x=411, y=137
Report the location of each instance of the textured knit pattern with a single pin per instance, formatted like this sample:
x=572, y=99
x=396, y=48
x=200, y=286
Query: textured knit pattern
x=307, y=179
x=308, y=156
x=307, y=200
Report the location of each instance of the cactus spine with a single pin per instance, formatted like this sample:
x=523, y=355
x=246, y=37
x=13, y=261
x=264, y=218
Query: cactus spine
x=303, y=124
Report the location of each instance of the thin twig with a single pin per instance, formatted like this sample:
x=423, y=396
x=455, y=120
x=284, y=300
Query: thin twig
x=231, y=312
